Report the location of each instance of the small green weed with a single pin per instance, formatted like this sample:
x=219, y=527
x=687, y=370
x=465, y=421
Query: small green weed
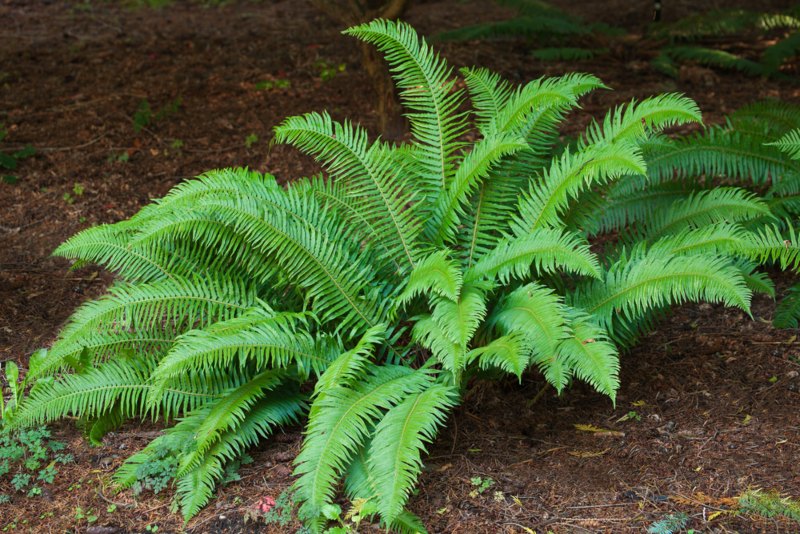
x=144, y=115
x=29, y=457
x=273, y=84
x=328, y=71
x=121, y=157
x=77, y=191
x=10, y=161
x=632, y=415
x=155, y=473
x=480, y=485
x=278, y=512
x=250, y=140
x=769, y=504
x=88, y=515
x=671, y=524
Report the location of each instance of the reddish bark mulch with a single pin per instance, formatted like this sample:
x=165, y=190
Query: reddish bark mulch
x=717, y=392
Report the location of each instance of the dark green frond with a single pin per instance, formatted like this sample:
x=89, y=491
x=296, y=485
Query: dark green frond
x=787, y=313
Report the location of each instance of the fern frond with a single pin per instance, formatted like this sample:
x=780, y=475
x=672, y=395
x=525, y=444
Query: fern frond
x=394, y=455
x=789, y=143
x=567, y=53
x=537, y=313
x=425, y=87
x=772, y=117
x=544, y=203
x=488, y=93
x=108, y=245
x=177, y=302
x=281, y=407
x=787, y=313
x=633, y=121
x=590, y=356
x=719, y=152
x=509, y=353
x=625, y=205
x=703, y=208
x=452, y=205
x=340, y=422
x=261, y=339
x=775, y=55
x=376, y=190
x=632, y=286
x=713, y=57
x=435, y=274
x=226, y=414
x=351, y=365
x=543, y=250
x=520, y=26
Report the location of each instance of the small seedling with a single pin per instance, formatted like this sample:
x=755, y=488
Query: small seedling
x=328, y=71
x=271, y=85
x=480, y=484
x=151, y=528
x=144, y=116
x=175, y=147
x=122, y=157
x=111, y=508
x=671, y=524
x=278, y=511
x=77, y=191
x=10, y=161
x=632, y=415
x=250, y=140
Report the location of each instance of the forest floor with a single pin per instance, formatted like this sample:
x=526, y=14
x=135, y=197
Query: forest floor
x=716, y=394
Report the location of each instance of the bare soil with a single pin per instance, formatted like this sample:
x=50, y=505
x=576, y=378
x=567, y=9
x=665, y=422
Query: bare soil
x=716, y=393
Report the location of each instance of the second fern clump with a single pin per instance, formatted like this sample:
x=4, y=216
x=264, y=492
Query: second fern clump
x=370, y=298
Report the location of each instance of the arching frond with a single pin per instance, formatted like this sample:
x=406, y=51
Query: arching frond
x=226, y=414
x=542, y=205
x=423, y=80
x=789, y=143
x=509, y=353
x=108, y=245
x=453, y=203
x=590, y=356
x=718, y=152
x=376, y=189
x=632, y=286
x=395, y=454
x=543, y=250
x=435, y=274
x=489, y=94
x=167, y=305
x=537, y=313
x=787, y=313
x=632, y=121
x=705, y=208
x=262, y=340
x=341, y=422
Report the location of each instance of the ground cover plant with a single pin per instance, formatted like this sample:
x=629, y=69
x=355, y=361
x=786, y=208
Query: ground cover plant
x=755, y=149
x=410, y=272
x=551, y=33
x=707, y=39
x=701, y=39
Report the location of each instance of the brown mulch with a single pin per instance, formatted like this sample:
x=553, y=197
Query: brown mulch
x=715, y=392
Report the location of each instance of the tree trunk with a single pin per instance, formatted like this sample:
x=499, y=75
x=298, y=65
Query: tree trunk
x=391, y=121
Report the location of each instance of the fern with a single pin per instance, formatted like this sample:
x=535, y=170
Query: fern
x=385, y=287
